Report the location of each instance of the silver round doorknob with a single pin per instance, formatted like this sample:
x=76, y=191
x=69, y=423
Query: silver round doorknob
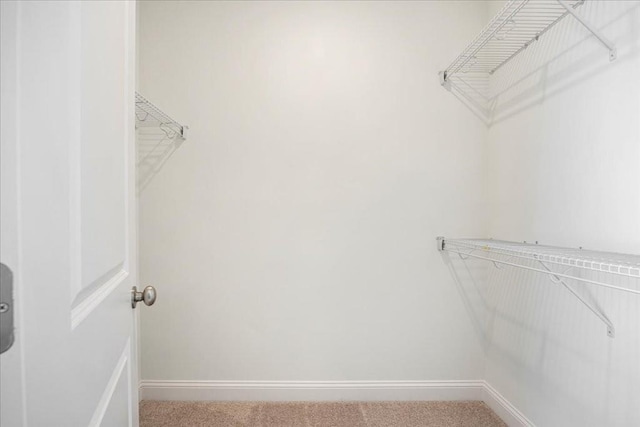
x=148, y=296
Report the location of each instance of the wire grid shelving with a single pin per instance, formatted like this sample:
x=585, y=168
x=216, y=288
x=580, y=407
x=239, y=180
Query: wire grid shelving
x=562, y=265
x=148, y=115
x=158, y=137
x=518, y=24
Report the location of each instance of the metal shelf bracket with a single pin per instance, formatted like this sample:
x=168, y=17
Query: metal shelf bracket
x=595, y=310
x=613, y=52
x=443, y=80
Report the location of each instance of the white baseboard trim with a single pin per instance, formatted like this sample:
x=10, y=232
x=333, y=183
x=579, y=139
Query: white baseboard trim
x=311, y=390
x=335, y=391
x=505, y=410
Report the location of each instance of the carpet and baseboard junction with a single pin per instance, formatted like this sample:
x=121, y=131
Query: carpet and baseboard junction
x=317, y=414
x=325, y=404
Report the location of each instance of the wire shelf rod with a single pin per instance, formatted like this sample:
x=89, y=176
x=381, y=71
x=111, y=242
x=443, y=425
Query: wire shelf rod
x=539, y=270
x=574, y=258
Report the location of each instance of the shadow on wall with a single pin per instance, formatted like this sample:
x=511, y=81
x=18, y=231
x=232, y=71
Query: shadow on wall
x=548, y=67
x=541, y=336
x=155, y=146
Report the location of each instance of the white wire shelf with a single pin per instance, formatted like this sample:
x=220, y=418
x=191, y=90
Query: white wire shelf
x=158, y=136
x=560, y=264
x=148, y=115
x=518, y=24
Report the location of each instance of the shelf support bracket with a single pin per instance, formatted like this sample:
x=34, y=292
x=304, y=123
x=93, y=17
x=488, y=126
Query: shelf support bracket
x=444, y=81
x=613, y=52
x=611, y=332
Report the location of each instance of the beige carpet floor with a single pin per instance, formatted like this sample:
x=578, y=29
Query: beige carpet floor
x=317, y=414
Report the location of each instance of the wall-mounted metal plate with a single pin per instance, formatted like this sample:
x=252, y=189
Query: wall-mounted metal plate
x=6, y=308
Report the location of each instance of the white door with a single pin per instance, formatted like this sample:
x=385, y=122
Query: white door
x=68, y=212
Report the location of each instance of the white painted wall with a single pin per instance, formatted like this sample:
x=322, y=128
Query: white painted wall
x=493, y=7
x=292, y=236
x=564, y=169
